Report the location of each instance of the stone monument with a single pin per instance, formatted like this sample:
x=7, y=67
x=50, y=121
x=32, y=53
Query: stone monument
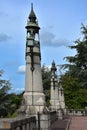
x=34, y=98
x=54, y=99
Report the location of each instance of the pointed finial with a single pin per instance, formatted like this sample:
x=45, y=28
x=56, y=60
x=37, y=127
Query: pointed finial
x=53, y=66
x=31, y=6
x=53, y=63
x=32, y=15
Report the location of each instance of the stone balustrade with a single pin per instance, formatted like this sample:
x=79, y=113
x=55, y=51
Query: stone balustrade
x=76, y=112
x=22, y=123
x=43, y=121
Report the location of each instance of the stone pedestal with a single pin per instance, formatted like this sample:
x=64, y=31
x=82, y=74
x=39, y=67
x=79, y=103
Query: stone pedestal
x=60, y=114
x=34, y=102
x=43, y=121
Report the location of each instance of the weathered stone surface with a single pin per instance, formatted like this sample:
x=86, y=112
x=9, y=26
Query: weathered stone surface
x=34, y=98
x=17, y=122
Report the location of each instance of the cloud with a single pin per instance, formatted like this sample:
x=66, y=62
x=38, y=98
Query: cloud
x=4, y=37
x=46, y=68
x=48, y=39
x=21, y=69
x=17, y=90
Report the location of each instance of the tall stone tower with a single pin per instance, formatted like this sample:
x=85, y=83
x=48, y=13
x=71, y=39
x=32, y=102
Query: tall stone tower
x=34, y=97
x=54, y=100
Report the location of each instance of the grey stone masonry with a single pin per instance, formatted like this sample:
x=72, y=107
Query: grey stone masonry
x=34, y=98
x=22, y=123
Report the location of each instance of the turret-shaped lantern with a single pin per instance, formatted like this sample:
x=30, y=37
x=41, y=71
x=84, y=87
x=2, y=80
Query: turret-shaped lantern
x=54, y=98
x=33, y=96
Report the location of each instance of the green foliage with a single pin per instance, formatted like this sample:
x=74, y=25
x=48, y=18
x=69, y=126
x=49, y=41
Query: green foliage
x=78, y=63
x=74, y=81
x=15, y=102
x=9, y=102
x=4, y=97
x=71, y=88
x=46, y=76
x=13, y=115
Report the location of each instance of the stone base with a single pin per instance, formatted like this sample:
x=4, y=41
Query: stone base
x=33, y=110
x=62, y=105
x=33, y=103
x=43, y=121
x=60, y=114
x=55, y=105
x=34, y=98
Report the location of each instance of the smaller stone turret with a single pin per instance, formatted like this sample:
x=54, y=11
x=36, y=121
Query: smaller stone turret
x=54, y=99
x=61, y=97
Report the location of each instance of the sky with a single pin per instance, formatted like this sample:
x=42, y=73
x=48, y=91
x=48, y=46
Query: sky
x=60, y=22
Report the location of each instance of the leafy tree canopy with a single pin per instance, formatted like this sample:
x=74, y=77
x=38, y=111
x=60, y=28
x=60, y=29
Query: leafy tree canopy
x=74, y=80
x=9, y=102
x=77, y=66
x=46, y=76
x=4, y=98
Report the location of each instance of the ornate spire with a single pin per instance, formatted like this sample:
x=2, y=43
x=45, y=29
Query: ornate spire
x=53, y=68
x=32, y=20
x=32, y=15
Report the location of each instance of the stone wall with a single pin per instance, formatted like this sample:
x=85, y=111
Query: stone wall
x=22, y=123
x=41, y=121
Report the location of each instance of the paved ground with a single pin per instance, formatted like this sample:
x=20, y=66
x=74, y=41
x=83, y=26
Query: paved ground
x=60, y=124
x=78, y=123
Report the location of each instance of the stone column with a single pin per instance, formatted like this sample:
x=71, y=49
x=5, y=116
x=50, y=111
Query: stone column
x=54, y=99
x=61, y=97
x=33, y=98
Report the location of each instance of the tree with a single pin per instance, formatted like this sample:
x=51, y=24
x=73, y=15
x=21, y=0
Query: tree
x=15, y=102
x=77, y=66
x=46, y=76
x=4, y=98
x=71, y=91
x=75, y=77
x=9, y=102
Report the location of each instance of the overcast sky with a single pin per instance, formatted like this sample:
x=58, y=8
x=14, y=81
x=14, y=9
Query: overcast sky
x=60, y=22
